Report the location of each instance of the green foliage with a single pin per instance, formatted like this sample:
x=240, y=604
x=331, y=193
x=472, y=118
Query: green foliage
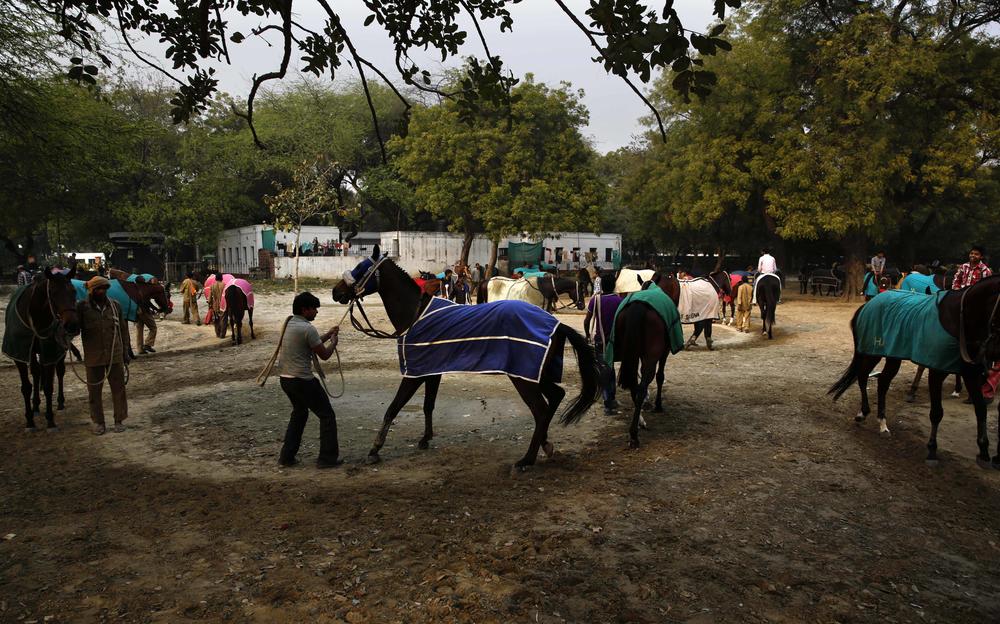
x=531, y=171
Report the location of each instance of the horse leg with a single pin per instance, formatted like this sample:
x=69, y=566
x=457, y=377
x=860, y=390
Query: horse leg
x=958, y=387
x=60, y=373
x=974, y=387
x=884, y=380
x=639, y=393
x=250, y=321
x=36, y=383
x=865, y=366
x=430, y=396
x=532, y=396
x=407, y=388
x=911, y=394
x=935, y=379
x=48, y=376
x=29, y=414
x=554, y=395
x=658, y=408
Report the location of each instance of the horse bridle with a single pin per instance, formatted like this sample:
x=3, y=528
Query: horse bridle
x=991, y=326
x=359, y=289
x=30, y=324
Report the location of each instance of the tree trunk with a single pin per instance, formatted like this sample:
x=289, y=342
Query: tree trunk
x=298, y=253
x=720, y=258
x=494, y=247
x=855, y=246
x=467, y=247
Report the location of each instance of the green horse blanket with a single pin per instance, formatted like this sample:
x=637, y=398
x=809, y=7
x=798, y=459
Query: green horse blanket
x=19, y=341
x=664, y=306
x=905, y=325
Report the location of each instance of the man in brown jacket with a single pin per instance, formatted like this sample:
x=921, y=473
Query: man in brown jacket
x=215, y=294
x=189, y=290
x=106, y=350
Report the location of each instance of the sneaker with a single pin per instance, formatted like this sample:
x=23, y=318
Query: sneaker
x=150, y=349
x=98, y=429
x=289, y=463
x=324, y=463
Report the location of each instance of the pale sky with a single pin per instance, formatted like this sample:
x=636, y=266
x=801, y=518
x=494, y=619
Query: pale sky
x=543, y=42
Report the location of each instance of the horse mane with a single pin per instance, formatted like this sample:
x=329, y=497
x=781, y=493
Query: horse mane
x=410, y=300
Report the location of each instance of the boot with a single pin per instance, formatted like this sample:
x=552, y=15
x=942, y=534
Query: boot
x=708, y=343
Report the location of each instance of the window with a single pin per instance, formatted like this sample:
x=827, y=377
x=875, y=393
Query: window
x=558, y=255
x=607, y=254
x=502, y=253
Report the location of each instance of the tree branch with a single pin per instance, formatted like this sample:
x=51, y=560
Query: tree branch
x=121, y=26
x=286, y=29
x=600, y=50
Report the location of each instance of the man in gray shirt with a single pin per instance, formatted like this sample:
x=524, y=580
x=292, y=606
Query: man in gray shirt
x=300, y=342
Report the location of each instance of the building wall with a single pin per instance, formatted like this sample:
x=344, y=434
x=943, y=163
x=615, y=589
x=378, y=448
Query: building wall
x=237, y=248
x=322, y=267
x=432, y=251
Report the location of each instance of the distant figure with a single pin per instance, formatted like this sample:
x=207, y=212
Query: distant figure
x=189, y=291
x=23, y=277
x=744, y=304
x=878, y=264
x=766, y=263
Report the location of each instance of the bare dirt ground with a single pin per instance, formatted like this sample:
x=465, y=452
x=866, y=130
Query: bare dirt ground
x=754, y=498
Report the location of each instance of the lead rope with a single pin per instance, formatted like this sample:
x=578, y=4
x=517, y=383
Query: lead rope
x=107, y=369
x=317, y=367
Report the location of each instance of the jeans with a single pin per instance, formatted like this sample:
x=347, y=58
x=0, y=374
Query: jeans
x=306, y=395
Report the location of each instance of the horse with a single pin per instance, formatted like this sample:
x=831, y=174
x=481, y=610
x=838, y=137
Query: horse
x=237, y=302
x=767, y=292
x=586, y=277
x=630, y=280
x=721, y=282
x=405, y=306
x=644, y=340
x=552, y=287
x=965, y=337
x=40, y=322
x=734, y=282
x=510, y=289
x=832, y=278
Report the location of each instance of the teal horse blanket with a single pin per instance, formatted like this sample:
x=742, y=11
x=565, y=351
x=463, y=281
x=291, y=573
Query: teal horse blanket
x=658, y=300
x=128, y=305
x=19, y=341
x=905, y=325
x=919, y=283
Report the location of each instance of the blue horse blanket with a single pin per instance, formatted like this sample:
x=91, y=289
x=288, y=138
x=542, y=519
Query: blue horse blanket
x=508, y=337
x=870, y=285
x=919, y=283
x=127, y=304
x=905, y=325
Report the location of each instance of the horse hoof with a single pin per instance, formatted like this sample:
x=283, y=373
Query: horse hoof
x=983, y=463
x=910, y=398
x=52, y=429
x=931, y=462
x=61, y=407
x=885, y=433
x=633, y=444
x=658, y=409
x=549, y=449
x=423, y=445
x=860, y=418
x=996, y=462
x=31, y=429
x=373, y=458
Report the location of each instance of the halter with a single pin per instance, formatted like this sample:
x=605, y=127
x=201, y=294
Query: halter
x=30, y=324
x=359, y=292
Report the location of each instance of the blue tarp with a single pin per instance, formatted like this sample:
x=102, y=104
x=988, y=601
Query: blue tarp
x=148, y=277
x=905, y=325
x=919, y=283
x=116, y=292
x=509, y=337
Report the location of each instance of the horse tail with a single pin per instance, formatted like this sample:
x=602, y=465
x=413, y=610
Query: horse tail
x=630, y=345
x=850, y=375
x=589, y=376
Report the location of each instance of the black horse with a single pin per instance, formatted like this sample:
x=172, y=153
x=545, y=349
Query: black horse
x=832, y=279
x=768, y=288
x=643, y=341
x=552, y=287
x=403, y=305
x=969, y=315
x=236, y=306
x=41, y=320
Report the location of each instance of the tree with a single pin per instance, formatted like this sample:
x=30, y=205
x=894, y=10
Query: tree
x=530, y=172
x=309, y=197
x=629, y=40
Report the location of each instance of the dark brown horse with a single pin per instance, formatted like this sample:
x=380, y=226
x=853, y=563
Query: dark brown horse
x=237, y=307
x=39, y=327
x=768, y=291
x=969, y=315
x=403, y=305
x=642, y=339
x=552, y=287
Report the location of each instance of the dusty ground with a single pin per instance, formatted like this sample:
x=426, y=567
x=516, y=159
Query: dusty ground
x=753, y=499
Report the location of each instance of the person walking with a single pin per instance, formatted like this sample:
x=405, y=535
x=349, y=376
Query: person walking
x=106, y=351
x=215, y=297
x=744, y=304
x=973, y=270
x=300, y=344
x=601, y=310
x=189, y=291
x=145, y=319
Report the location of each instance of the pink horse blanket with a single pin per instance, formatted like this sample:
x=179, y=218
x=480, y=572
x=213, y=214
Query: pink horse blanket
x=228, y=281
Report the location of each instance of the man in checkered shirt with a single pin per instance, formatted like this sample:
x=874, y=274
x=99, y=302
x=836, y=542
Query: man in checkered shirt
x=973, y=270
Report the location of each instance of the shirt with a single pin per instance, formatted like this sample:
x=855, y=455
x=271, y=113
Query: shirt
x=744, y=297
x=767, y=264
x=605, y=321
x=23, y=278
x=295, y=359
x=189, y=288
x=967, y=275
x=878, y=264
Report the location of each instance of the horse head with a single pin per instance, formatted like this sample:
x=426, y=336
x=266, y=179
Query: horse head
x=360, y=281
x=667, y=282
x=722, y=282
x=53, y=303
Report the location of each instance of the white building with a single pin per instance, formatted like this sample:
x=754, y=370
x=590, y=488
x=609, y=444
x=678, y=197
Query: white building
x=238, y=247
x=570, y=249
